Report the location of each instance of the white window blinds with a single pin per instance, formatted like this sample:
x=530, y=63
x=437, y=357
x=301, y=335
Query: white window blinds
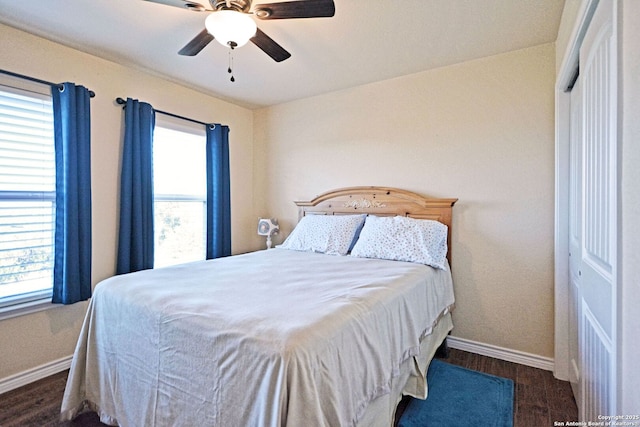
x=27, y=195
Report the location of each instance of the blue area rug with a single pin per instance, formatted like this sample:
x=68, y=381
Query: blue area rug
x=461, y=397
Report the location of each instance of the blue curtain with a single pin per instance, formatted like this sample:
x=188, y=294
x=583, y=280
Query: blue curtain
x=72, y=139
x=136, y=238
x=218, y=192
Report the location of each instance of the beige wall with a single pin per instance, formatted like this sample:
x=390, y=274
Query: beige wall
x=481, y=131
x=32, y=340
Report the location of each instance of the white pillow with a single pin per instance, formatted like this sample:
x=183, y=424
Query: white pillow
x=329, y=234
x=402, y=238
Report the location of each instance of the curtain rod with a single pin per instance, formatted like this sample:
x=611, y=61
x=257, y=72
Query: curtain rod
x=43, y=82
x=123, y=103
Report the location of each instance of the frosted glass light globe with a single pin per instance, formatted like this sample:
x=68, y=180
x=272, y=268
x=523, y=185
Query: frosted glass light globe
x=230, y=28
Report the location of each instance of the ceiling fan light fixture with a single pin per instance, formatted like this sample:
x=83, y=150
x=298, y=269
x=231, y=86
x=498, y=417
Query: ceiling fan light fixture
x=231, y=28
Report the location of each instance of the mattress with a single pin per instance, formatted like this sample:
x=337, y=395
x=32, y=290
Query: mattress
x=269, y=338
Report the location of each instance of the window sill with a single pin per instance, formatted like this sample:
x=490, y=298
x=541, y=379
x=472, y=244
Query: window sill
x=26, y=308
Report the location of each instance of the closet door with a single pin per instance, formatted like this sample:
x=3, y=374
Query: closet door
x=575, y=236
x=597, y=268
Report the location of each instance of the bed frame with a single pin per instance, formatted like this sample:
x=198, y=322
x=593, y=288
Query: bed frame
x=381, y=201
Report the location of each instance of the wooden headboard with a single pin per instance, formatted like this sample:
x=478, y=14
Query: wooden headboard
x=381, y=201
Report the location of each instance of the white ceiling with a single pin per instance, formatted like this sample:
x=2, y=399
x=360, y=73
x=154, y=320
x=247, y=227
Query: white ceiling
x=366, y=41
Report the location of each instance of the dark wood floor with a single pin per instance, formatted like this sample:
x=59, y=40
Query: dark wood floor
x=540, y=399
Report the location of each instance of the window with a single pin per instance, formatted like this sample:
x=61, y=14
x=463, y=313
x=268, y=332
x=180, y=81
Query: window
x=180, y=192
x=27, y=194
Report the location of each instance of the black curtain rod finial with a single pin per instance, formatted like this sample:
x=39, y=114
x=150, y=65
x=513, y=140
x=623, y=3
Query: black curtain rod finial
x=120, y=101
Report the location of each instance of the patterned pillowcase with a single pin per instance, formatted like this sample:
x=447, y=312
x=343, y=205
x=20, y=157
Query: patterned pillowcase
x=403, y=239
x=328, y=234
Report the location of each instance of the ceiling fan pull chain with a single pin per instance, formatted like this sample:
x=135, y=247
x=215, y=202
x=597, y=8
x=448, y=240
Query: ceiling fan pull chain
x=230, y=69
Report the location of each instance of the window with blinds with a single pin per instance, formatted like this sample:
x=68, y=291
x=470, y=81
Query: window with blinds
x=27, y=196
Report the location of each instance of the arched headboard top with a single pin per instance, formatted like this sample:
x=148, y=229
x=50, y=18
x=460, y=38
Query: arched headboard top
x=381, y=201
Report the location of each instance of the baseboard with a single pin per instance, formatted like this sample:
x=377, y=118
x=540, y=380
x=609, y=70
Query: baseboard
x=34, y=374
x=501, y=353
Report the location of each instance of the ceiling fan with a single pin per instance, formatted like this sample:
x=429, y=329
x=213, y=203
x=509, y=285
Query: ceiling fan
x=231, y=24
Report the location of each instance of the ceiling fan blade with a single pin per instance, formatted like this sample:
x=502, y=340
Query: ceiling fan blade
x=196, y=44
x=296, y=9
x=185, y=4
x=269, y=46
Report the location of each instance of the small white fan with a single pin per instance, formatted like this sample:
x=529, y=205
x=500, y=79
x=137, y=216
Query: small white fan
x=268, y=227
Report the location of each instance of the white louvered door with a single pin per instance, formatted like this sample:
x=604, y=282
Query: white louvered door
x=593, y=282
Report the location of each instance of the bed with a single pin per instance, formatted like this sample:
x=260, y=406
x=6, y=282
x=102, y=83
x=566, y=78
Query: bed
x=290, y=336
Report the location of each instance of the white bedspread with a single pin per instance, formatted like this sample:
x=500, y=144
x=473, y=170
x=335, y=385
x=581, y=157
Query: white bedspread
x=270, y=338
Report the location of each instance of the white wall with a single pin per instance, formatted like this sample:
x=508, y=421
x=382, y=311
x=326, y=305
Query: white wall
x=32, y=340
x=570, y=13
x=481, y=131
x=629, y=234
